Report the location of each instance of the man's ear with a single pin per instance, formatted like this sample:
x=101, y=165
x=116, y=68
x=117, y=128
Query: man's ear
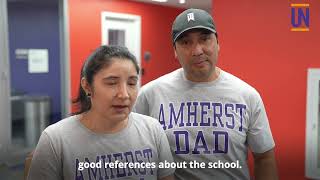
x=175, y=52
x=85, y=85
x=218, y=48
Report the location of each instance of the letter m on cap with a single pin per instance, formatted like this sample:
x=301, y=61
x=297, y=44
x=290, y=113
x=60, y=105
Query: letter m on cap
x=190, y=17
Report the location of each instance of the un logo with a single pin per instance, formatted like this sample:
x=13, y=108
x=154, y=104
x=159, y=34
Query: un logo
x=300, y=17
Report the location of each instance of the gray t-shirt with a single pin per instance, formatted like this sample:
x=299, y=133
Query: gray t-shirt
x=208, y=122
x=65, y=147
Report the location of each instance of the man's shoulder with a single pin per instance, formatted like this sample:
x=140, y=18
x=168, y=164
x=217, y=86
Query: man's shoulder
x=144, y=119
x=238, y=83
x=167, y=79
x=145, y=122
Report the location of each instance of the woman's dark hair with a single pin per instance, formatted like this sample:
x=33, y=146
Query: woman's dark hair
x=99, y=59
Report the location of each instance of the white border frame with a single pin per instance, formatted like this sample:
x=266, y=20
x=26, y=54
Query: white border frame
x=312, y=127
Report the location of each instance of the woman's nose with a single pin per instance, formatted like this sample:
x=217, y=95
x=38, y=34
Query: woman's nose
x=122, y=91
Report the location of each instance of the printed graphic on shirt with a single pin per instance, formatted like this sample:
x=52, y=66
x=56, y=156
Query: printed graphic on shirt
x=224, y=116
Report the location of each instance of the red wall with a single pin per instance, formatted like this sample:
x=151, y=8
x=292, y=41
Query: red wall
x=85, y=34
x=257, y=45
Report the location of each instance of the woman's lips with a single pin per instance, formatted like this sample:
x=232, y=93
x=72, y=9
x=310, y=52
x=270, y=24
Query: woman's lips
x=120, y=108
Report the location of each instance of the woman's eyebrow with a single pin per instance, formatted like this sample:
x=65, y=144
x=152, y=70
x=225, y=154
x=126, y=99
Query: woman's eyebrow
x=110, y=78
x=134, y=77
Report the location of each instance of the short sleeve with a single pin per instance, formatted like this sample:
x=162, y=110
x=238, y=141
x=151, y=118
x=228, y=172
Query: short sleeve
x=141, y=106
x=45, y=164
x=260, y=137
x=164, y=154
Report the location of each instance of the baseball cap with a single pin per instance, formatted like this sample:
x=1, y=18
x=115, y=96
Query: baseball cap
x=192, y=19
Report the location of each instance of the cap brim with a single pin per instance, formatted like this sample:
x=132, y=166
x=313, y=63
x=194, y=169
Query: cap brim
x=194, y=27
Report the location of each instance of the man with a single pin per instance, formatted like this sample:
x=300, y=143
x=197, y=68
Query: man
x=210, y=116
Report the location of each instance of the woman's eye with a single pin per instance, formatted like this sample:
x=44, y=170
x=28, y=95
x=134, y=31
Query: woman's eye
x=132, y=83
x=111, y=83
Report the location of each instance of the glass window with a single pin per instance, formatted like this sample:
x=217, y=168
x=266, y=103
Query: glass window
x=116, y=37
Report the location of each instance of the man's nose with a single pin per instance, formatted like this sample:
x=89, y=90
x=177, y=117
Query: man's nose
x=197, y=49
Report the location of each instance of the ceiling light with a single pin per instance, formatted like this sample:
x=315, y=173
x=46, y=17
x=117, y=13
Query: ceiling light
x=182, y=1
x=160, y=0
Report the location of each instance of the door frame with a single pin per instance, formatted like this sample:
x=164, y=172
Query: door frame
x=5, y=89
x=5, y=104
x=312, y=164
x=65, y=68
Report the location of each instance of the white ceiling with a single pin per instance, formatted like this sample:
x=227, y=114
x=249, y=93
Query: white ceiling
x=201, y=4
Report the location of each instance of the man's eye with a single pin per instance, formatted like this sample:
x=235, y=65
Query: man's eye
x=185, y=42
x=206, y=38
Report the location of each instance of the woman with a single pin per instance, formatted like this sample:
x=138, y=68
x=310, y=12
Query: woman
x=104, y=140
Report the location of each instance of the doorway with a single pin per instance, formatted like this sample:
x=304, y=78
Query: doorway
x=123, y=30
